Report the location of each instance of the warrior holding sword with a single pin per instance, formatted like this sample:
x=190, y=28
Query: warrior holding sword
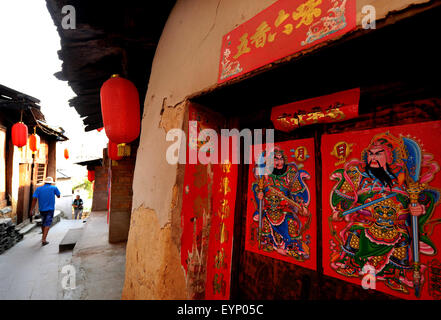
x=385, y=202
x=282, y=214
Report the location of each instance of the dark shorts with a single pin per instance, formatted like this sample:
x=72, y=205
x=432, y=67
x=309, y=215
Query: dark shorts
x=46, y=218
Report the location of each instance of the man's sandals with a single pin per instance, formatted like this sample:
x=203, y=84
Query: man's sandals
x=43, y=243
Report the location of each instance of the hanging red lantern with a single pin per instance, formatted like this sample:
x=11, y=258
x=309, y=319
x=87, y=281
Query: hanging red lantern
x=34, y=142
x=19, y=133
x=91, y=175
x=66, y=153
x=120, y=110
x=112, y=151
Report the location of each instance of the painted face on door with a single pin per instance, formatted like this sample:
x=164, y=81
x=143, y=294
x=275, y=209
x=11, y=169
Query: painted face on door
x=376, y=157
x=278, y=161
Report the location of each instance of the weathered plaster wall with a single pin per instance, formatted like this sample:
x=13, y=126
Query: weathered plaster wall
x=157, y=274
x=186, y=62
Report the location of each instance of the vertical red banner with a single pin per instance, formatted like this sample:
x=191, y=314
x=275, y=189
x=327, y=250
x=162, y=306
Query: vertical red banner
x=207, y=217
x=281, y=209
x=381, y=214
x=221, y=237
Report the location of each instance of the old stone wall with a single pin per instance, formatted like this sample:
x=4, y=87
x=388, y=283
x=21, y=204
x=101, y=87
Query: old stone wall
x=100, y=186
x=121, y=197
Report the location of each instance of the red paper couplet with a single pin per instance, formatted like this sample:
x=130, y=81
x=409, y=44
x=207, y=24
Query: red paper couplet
x=207, y=216
x=374, y=182
x=282, y=205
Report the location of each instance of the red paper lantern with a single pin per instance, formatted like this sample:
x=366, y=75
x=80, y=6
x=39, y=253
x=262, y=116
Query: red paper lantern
x=120, y=110
x=19, y=133
x=112, y=151
x=90, y=175
x=34, y=142
x=66, y=153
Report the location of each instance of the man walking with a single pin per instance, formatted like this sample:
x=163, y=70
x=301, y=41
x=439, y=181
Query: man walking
x=46, y=203
x=78, y=207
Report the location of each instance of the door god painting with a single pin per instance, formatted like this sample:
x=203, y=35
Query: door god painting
x=381, y=191
x=281, y=204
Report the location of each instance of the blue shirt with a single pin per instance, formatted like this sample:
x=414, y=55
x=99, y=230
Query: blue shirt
x=46, y=196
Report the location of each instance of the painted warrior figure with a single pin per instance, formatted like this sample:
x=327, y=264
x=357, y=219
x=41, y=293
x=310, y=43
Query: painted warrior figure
x=282, y=211
x=381, y=198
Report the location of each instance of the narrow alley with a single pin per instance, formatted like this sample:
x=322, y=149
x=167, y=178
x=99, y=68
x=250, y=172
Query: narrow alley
x=30, y=271
x=209, y=151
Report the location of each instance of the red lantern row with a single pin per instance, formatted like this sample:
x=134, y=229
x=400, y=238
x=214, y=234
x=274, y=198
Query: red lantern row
x=120, y=112
x=19, y=133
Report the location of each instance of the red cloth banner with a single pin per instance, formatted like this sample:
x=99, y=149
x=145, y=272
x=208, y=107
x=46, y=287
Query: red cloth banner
x=207, y=216
x=284, y=28
x=381, y=213
x=281, y=205
x=334, y=107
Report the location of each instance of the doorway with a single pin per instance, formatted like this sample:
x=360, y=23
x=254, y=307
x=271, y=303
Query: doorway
x=24, y=191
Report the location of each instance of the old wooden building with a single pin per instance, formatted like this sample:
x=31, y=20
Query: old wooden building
x=226, y=65
x=20, y=169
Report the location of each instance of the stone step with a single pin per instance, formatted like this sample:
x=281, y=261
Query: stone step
x=5, y=210
x=27, y=228
x=70, y=239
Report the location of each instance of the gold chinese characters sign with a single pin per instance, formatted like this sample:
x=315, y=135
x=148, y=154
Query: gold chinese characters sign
x=334, y=107
x=284, y=28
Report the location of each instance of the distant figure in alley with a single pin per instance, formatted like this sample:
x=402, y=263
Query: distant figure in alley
x=78, y=207
x=46, y=204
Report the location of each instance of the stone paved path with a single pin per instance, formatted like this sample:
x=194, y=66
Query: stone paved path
x=29, y=271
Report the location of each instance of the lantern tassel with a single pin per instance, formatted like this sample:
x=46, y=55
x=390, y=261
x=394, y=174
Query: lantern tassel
x=127, y=150
x=123, y=150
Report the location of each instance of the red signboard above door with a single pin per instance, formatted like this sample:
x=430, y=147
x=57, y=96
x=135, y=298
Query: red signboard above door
x=334, y=107
x=284, y=28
